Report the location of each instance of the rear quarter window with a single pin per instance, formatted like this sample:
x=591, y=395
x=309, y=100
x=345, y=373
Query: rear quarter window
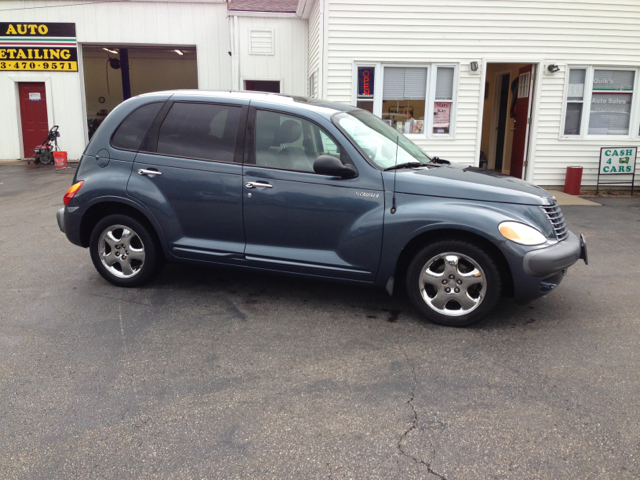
x=131, y=131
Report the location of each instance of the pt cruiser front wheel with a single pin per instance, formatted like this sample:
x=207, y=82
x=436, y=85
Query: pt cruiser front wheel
x=453, y=283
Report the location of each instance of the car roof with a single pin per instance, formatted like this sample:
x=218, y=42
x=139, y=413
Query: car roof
x=306, y=103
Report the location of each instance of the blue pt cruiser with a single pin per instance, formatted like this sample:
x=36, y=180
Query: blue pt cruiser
x=313, y=188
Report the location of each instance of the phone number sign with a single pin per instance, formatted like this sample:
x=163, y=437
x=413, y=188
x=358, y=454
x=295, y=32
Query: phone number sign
x=38, y=47
x=618, y=161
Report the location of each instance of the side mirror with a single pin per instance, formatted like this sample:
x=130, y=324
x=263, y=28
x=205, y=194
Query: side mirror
x=328, y=165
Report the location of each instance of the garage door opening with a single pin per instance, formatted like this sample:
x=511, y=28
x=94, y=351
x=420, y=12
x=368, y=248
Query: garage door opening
x=114, y=73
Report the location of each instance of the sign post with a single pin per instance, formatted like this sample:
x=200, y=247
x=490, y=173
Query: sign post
x=38, y=47
x=617, y=161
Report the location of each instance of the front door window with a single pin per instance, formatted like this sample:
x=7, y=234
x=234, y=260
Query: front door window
x=290, y=143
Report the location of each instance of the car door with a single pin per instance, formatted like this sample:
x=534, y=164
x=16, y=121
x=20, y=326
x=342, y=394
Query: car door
x=298, y=221
x=189, y=174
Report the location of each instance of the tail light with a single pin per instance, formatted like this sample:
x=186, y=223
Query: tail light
x=71, y=192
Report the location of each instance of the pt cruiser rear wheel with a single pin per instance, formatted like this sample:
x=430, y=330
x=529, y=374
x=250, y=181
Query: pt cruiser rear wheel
x=454, y=283
x=123, y=251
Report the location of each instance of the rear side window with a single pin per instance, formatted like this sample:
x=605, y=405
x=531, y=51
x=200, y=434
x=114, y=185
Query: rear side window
x=200, y=130
x=132, y=130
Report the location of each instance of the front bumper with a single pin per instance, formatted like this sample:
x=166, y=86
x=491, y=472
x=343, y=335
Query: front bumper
x=543, y=269
x=546, y=261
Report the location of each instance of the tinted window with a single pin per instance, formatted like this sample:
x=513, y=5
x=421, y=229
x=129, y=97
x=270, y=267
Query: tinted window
x=290, y=143
x=132, y=130
x=200, y=130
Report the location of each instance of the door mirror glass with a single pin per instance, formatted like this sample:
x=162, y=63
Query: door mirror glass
x=329, y=165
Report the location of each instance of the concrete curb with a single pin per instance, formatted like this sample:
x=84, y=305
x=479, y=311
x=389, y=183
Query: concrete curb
x=564, y=199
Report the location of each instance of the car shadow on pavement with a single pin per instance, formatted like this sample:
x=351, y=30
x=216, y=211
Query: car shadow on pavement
x=266, y=288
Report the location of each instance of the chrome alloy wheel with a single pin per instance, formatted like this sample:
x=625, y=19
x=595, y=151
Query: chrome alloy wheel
x=452, y=284
x=121, y=251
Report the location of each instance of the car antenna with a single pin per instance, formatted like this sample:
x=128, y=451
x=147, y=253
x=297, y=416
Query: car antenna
x=395, y=172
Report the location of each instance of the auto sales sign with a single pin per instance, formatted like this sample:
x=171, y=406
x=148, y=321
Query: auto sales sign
x=38, y=47
x=617, y=161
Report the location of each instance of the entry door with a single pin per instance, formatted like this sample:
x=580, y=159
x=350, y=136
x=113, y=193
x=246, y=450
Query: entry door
x=525, y=82
x=502, y=94
x=192, y=181
x=298, y=221
x=33, y=112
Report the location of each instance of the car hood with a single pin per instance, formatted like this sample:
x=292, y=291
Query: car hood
x=470, y=183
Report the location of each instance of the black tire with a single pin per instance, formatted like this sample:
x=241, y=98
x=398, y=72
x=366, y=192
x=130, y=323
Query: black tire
x=139, y=240
x=46, y=158
x=478, y=293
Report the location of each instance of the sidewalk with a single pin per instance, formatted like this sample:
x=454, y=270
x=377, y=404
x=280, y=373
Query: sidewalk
x=565, y=199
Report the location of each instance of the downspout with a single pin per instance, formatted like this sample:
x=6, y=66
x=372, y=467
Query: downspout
x=232, y=56
x=321, y=92
x=236, y=52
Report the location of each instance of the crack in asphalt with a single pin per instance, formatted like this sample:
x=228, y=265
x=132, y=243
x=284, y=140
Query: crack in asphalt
x=414, y=423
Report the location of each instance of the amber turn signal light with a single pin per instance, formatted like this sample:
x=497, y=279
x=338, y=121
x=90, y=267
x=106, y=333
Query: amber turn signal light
x=71, y=192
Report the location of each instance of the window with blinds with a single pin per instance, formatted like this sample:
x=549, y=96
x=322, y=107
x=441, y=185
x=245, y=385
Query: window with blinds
x=609, y=95
x=404, y=95
x=414, y=99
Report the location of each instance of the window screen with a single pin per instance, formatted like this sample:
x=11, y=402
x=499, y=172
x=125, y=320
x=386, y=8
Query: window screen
x=444, y=84
x=444, y=100
x=132, y=130
x=200, y=130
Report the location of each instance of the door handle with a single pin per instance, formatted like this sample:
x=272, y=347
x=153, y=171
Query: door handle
x=513, y=129
x=144, y=171
x=258, y=185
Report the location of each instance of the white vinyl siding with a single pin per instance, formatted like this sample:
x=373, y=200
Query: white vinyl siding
x=289, y=52
x=561, y=32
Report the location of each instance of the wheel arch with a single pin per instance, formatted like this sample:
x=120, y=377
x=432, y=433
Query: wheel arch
x=101, y=209
x=430, y=236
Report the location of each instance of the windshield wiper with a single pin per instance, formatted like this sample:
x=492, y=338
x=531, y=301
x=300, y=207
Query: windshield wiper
x=405, y=165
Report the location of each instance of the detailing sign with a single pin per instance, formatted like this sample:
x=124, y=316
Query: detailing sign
x=38, y=47
x=616, y=161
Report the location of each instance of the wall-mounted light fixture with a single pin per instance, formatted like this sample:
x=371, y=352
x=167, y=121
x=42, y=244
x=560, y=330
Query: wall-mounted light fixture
x=474, y=66
x=553, y=68
x=179, y=52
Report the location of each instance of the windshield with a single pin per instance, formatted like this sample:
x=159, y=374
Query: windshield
x=378, y=140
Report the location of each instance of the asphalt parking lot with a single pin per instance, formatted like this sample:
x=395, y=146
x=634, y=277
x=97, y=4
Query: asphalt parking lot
x=210, y=373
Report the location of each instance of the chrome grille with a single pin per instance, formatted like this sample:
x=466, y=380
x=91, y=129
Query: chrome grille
x=554, y=214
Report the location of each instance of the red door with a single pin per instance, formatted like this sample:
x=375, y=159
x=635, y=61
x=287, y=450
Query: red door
x=522, y=113
x=33, y=112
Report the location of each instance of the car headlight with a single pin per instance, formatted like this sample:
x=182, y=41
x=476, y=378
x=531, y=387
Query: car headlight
x=521, y=233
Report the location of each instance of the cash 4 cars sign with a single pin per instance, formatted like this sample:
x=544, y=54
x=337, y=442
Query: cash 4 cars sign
x=616, y=161
x=38, y=47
